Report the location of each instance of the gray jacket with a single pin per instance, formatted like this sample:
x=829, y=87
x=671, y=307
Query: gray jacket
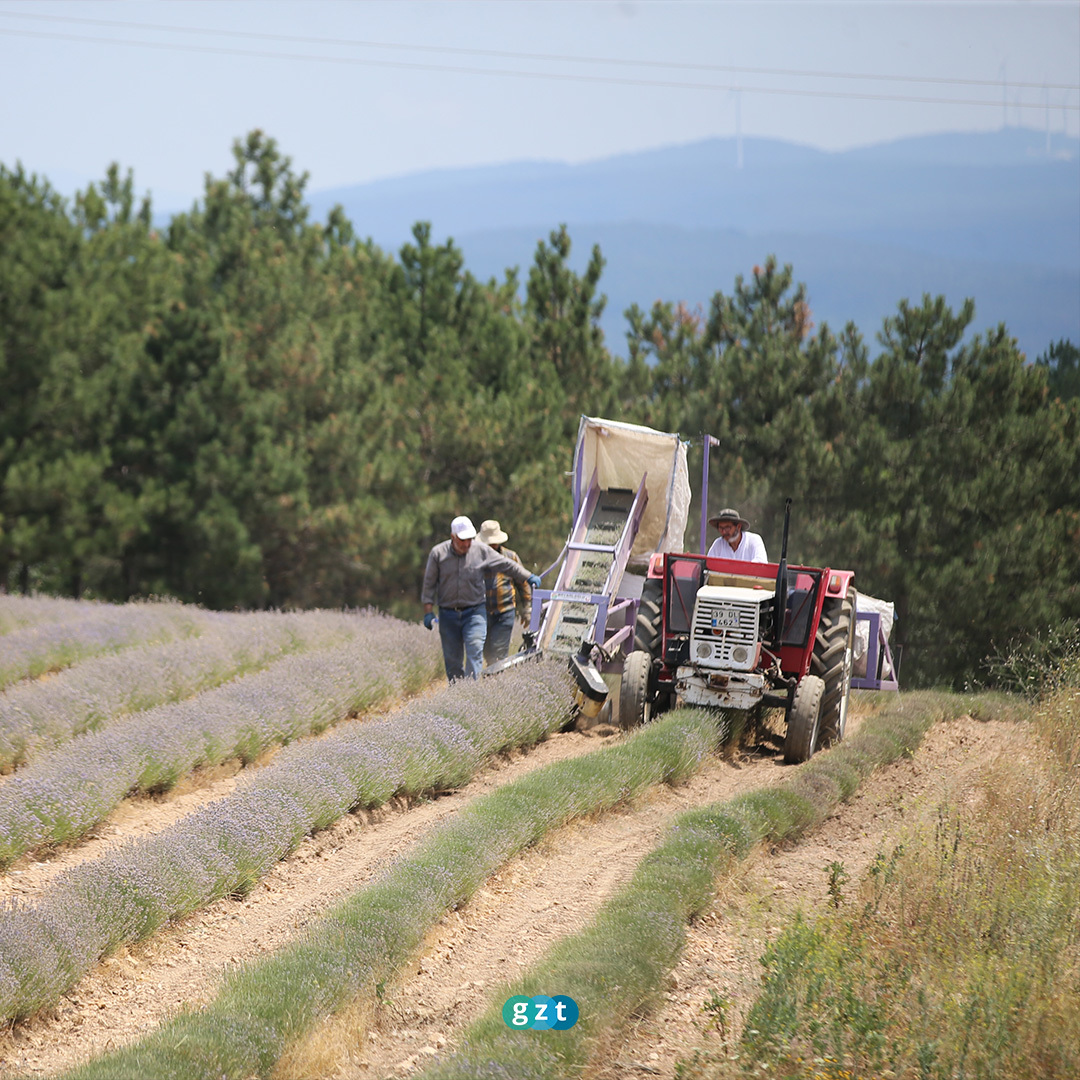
x=455, y=581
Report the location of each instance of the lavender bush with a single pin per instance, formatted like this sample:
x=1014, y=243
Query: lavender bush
x=64, y=794
x=228, y=845
x=17, y=612
x=36, y=716
x=106, y=628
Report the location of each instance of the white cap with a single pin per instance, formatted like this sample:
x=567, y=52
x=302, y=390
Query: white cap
x=462, y=528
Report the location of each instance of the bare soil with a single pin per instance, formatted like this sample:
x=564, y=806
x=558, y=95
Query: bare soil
x=551, y=891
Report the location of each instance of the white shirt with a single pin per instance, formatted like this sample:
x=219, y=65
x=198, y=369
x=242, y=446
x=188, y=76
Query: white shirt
x=751, y=549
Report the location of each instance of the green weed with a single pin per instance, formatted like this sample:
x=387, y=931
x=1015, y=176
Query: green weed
x=962, y=956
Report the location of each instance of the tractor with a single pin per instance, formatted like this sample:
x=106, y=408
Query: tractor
x=728, y=634
x=684, y=628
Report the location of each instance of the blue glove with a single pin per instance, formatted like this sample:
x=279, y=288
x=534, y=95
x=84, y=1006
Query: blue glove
x=429, y=619
x=535, y=581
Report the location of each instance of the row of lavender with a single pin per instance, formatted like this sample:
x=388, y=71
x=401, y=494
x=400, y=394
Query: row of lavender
x=92, y=629
x=62, y=795
x=36, y=716
x=227, y=846
x=17, y=612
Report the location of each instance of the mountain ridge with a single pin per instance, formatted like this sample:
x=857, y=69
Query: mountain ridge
x=994, y=211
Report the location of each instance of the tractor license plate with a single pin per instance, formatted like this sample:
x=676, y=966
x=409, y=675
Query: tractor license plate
x=726, y=619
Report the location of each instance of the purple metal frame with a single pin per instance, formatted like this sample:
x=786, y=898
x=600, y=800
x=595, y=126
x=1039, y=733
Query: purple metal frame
x=877, y=650
x=709, y=441
x=606, y=602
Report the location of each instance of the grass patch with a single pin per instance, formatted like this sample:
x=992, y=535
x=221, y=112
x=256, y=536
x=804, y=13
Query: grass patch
x=959, y=953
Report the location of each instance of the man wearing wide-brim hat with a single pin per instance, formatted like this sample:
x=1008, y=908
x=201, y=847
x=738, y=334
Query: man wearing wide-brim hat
x=734, y=541
x=505, y=596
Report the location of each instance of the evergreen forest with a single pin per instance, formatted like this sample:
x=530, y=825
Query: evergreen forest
x=246, y=408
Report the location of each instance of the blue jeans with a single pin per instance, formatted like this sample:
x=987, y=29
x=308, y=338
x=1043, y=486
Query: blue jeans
x=463, y=632
x=499, y=629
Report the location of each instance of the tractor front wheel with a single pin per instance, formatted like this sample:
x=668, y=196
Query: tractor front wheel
x=635, y=704
x=804, y=720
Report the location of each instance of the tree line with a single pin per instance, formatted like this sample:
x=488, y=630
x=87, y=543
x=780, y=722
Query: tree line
x=246, y=408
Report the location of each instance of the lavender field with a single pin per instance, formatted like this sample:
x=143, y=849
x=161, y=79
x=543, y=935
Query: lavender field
x=36, y=715
x=90, y=911
x=102, y=702
x=42, y=642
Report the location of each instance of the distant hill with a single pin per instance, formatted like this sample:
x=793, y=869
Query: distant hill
x=995, y=216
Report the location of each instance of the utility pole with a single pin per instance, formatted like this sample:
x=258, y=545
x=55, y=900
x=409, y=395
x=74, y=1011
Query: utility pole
x=1046, y=98
x=738, y=130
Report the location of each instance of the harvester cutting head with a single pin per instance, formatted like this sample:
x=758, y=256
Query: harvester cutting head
x=590, y=690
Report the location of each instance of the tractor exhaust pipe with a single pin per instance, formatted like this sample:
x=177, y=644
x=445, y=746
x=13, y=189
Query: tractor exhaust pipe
x=780, y=609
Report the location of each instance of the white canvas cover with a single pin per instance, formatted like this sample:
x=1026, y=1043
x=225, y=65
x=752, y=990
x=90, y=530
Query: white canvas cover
x=623, y=453
x=887, y=611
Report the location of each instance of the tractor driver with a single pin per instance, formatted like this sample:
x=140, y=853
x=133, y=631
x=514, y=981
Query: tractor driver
x=734, y=542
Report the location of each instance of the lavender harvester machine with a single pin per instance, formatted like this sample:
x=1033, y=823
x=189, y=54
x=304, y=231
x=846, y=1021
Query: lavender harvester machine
x=631, y=499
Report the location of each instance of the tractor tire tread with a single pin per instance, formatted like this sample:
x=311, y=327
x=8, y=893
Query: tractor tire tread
x=647, y=626
x=634, y=695
x=804, y=720
x=831, y=662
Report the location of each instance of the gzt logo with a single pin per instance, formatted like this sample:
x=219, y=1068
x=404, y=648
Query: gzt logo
x=540, y=1013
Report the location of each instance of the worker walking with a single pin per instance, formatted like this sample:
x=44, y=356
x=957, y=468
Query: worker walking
x=505, y=596
x=454, y=580
x=734, y=542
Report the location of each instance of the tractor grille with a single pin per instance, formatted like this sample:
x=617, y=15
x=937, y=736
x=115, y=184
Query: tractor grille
x=725, y=634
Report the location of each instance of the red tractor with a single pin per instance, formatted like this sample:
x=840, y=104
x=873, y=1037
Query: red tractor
x=724, y=633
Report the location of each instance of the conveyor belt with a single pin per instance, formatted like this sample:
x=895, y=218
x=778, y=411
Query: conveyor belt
x=588, y=571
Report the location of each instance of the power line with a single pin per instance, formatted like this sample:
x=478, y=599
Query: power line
x=520, y=74
x=557, y=57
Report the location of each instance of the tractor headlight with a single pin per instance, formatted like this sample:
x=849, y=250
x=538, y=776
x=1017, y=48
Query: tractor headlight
x=739, y=654
x=704, y=650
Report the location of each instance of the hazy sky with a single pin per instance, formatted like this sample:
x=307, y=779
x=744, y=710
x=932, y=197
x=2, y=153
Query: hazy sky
x=356, y=91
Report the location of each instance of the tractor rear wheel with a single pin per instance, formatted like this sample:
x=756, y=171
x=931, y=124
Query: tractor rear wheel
x=649, y=621
x=831, y=662
x=635, y=704
x=804, y=720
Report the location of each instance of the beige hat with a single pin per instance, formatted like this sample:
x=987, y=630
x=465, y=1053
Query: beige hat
x=491, y=533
